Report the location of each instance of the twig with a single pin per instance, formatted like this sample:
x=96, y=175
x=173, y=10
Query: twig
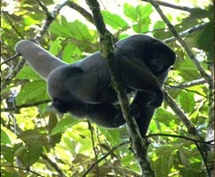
x=187, y=32
x=166, y=4
x=11, y=24
x=23, y=169
x=189, y=125
x=93, y=144
x=180, y=136
x=81, y=10
x=9, y=59
x=49, y=18
x=102, y=158
x=25, y=106
x=53, y=164
x=189, y=84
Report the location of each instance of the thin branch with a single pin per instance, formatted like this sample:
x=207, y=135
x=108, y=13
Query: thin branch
x=53, y=164
x=183, y=44
x=189, y=84
x=24, y=106
x=44, y=8
x=178, y=111
x=9, y=59
x=93, y=144
x=187, y=32
x=49, y=18
x=23, y=169
x=102, y=158
x=180, y=136
x=11, y=24
x=166, y=4
x=12, y=74
x=81, y=10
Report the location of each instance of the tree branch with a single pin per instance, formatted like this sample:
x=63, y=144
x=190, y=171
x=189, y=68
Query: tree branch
x=166, y=4
x=81, y=10
x=138, y=144
x=189, y=125
x=187, y=32
x=189, y=84
x=102, y=158
x=24, y=106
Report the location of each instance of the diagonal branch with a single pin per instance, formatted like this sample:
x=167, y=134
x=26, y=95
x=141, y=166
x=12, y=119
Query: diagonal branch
x=81, y=10
x=166, y=4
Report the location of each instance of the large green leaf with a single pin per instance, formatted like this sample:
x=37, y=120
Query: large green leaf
x=28, y=73
x=63, y=125
x=28, y=154
x=32, y=91
x=114, y=20
x=187, y=101
x=130, y=11
x=5, y=138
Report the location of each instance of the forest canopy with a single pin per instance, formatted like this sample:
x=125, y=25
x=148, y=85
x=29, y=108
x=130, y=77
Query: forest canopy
x=38, y=141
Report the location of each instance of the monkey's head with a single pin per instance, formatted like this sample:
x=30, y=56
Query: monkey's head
x=161, y=58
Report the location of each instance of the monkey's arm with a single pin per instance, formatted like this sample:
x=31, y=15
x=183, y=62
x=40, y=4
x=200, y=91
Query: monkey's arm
x=140, y=78
x=140, y=109
x=39, y=59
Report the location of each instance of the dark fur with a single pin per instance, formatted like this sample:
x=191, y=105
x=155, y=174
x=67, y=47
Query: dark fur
x=84, y=88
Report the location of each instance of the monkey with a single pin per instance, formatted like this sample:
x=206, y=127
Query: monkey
x=91, y=76
x=84, y=87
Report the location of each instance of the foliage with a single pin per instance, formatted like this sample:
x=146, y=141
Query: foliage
x=35, y=141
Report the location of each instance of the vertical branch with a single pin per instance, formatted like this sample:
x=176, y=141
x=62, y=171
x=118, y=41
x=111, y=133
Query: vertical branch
x=138, y=144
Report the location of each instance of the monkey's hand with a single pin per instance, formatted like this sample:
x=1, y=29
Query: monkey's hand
x=158, y=99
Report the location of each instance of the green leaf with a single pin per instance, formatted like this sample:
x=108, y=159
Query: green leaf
x=79, y=31
x=130, y=11
x=32, y=91
x=144, y=12
x=187, y=101
x=114, y=20
x=70, y=53
x=142, y=26
x=164, y=116
x=60, y=29
x=63, y=125
x=7, y=153
x=188, y=70
x=28, y=154
x=28, y=73
x=5, y=138
x=159, y=25
x=55, y=46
